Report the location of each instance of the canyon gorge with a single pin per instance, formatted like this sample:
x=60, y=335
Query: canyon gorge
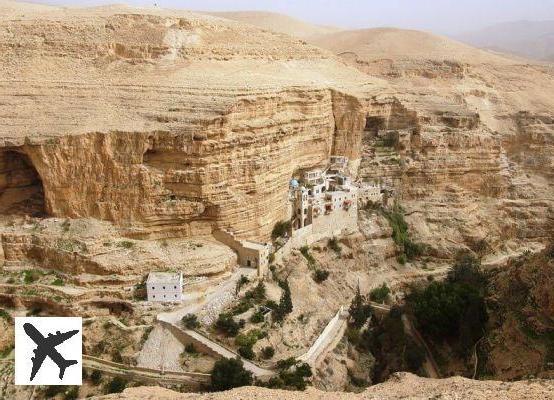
x=129, y=136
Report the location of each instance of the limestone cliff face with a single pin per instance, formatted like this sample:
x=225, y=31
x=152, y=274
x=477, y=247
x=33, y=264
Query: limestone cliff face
x=231, y=174
x=169, y=124
x=173, y=124
x=464, y=137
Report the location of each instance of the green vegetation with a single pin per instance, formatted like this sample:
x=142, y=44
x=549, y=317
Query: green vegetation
x=30, y=276
x=190, y=321
x=359, y=310
x=66, y=224
x=409, y=249
x=5, y=315
x=258, y=294
x=254, y=296
x=66, y=392
x=392, y=348
x=250, y=338
x=334, y=245
x=126, y=244
x=280, y=229
x=268, y=352
x=96, y=377
x=453, y=309
x=257, y=317
x=58, y=282
x=116, y=385
x=228, y=374
x=70, y=245
x=320, y=275
x=305, y=250
x=293, y=375
x=247, y=341
x=285, y=303
x=227, y=325
x=190, y=349
x=380, y=294
x=243, y=280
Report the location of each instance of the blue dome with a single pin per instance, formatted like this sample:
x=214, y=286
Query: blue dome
x=294, y=183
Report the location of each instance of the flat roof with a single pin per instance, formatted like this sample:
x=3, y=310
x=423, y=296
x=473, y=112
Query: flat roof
x=254, y=245
x=164, y=277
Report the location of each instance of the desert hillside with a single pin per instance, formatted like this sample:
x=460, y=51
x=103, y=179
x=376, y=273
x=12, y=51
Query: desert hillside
x=532, y=39
x=141, y=140
x=402, y=386
x=276, y=22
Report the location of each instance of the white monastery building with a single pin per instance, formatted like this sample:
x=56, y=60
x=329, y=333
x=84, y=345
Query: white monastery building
x=164, y=286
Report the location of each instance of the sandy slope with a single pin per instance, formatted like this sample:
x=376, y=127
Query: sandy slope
x=400, y=386
x=276, y=22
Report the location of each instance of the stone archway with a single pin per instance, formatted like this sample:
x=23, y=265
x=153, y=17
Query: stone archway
x=21, y=190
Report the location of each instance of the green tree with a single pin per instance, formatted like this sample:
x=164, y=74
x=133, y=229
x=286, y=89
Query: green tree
x=229, y=373
x=226, y=324
x=116, y=385
x=359, y=310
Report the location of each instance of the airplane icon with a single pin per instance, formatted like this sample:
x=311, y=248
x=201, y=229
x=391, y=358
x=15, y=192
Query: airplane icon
x=46, y=348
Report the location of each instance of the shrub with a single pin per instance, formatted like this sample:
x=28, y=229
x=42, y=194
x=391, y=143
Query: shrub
x=126, y=244
x=285, y=303
x=250, y=338
x=401, y=237
x=292, y=375
x=54, y=390
x=247, y=352
x=380, y=294
x=257, y=317
x=242, y=306
x=258, y=294
x=190, y=321
x=117, y=357
x=227, y=325
x=71, y=393
x=320, y=275
x=280, y=229
x=228, y=374
x=243, y=280
x=305, y=250
x=30, y=276
x=116, y=385
x=333, y=244
x=286, y=363
x=268, y=352
x=57, y=282
x=95, y=377
x=271, y=304
x=190, y=349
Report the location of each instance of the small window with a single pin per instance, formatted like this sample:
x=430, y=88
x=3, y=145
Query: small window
x=152, y=287
x=163, y=287
x=174, y=287
x=175, y=296
x=164, y=296
x=153, y=296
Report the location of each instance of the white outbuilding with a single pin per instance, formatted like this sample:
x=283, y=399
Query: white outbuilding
x=164, y=286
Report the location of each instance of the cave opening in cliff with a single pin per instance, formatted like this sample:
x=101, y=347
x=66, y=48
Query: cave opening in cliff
x=374, y=124
x=21, y=190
